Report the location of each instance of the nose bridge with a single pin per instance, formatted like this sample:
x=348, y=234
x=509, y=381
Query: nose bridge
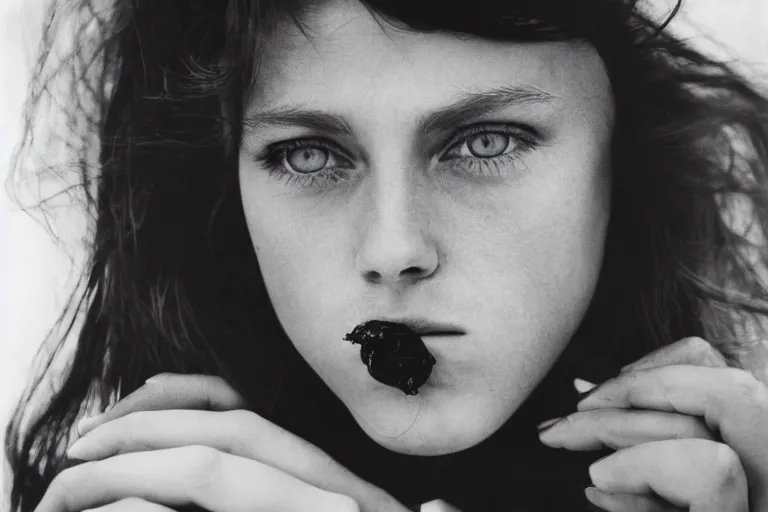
x=392, y=198
x=394, y=245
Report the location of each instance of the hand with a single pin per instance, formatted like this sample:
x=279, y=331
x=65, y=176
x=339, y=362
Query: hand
x=691, y=434
x=224, y=459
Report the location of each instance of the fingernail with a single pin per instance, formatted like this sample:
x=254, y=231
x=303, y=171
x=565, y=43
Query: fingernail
x=79, y=450
x=155, y=379
x=583, y=386
x=545, y=425
x=85, y=425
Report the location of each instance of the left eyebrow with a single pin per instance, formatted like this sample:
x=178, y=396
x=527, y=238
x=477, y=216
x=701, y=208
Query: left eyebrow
x=469, y=106
x=473, y=105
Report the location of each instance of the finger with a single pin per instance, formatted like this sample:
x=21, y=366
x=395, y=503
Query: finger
x=732, y=402
x=621, y=428
x=438, y=506
x=241, y=433
x=190, y=475
x=692, y=350
x=132, y=504
x=626, y=502
x=172, y=391
x=691, y=473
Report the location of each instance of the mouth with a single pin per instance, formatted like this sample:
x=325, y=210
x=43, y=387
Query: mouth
x=394, y=352
x=426, y=327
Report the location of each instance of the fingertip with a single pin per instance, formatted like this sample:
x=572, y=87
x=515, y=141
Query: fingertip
x=583, y=386
x=600, y=472
x=594, y=495
x=438, y=506
x=87, y=424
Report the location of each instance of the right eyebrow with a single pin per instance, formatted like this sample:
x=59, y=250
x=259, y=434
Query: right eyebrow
x=288, y=116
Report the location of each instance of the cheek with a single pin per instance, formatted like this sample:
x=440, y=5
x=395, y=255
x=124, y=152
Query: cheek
x=300, y=262
x=533, y=272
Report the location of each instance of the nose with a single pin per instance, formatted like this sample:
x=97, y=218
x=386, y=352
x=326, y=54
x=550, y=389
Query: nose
x=394, y=249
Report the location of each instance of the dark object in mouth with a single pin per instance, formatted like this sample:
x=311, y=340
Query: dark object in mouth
x=394, y=354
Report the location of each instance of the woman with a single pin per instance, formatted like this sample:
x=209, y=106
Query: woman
x=542, y=190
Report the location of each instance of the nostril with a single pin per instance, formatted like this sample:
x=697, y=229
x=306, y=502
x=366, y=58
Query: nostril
x=410, y=273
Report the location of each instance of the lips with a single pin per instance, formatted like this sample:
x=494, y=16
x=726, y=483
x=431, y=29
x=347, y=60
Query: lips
x=426, y=327
x=394, y=354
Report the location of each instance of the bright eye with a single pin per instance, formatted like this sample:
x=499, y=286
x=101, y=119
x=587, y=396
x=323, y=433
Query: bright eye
x=307, y=159
x=488, y=144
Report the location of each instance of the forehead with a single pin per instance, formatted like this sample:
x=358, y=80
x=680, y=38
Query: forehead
x=346, y=55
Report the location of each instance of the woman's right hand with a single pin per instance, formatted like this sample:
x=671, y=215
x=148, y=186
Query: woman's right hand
x=156, y=450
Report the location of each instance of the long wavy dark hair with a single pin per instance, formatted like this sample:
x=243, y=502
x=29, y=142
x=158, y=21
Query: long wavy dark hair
x=153, y=93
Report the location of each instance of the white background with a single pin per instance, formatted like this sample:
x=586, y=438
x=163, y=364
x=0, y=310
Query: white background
x=35, y=276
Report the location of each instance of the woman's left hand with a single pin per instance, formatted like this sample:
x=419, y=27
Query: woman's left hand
x=690, y=432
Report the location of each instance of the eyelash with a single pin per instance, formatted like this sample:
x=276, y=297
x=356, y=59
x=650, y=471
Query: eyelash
x=524, y=140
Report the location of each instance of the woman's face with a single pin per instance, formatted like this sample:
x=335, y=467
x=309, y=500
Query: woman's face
x=389, y=174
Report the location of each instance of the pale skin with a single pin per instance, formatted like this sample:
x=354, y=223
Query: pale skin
x=406, y=230
x=412, y=222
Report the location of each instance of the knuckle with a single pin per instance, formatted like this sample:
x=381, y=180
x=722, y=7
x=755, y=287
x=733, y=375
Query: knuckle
x=133, y=432
x=220, y=394
x=634, y=389
x=241, y=425
x=203, y=465
x=212, y=383
x=704, y=351
x=342, y=503
x=681, y=429
x=696, y=344
x=730, y=472
x=746, y=384
x=688, y=427
x=134, y=421
x=329, y=465
x=571, y=420
x=206, y=378
x=238, y=416
x=328, y=461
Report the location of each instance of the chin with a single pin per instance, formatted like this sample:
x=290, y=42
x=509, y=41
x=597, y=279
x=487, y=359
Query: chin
x=425, y=425
x=436, y=442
